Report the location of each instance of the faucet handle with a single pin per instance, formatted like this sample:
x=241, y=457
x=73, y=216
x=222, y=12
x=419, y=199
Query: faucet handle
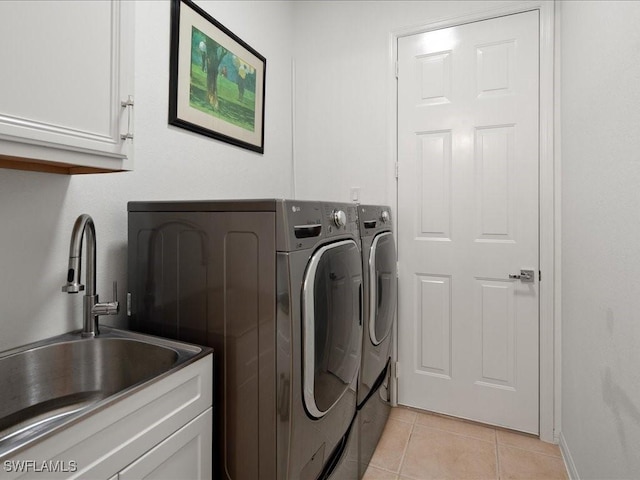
x=108, y=308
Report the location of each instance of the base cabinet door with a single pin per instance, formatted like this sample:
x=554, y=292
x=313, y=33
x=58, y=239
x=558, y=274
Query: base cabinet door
x=186, y=455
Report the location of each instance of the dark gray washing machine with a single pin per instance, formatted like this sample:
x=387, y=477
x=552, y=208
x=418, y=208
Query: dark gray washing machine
x=275, y=287
x=379, y=267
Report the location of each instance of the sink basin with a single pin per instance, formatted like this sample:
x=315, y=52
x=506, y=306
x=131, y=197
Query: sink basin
x=48, y=385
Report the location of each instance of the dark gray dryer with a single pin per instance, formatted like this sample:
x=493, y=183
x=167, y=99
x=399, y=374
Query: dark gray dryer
x=275, y=287
x=379, y=267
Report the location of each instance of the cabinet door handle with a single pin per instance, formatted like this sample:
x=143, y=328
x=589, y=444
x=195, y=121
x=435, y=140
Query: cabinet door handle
x=128, y=104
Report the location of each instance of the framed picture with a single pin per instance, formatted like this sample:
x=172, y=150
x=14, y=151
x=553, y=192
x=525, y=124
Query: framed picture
x=217, y=81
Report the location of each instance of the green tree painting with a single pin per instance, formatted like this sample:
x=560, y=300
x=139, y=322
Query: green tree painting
x=222, y=84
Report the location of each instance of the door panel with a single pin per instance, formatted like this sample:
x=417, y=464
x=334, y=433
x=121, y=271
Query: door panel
x=496, y=316
x=435, y=162
x=435, y=325
x=468, y=218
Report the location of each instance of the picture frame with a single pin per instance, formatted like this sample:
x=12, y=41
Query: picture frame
x=216, y=80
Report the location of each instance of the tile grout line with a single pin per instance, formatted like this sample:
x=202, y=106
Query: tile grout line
x=530, y=450
x=498, y=469
x=385, y=469
x=406, y=447
x=465, y=435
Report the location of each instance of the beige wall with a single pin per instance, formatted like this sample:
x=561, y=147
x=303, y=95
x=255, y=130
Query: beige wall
x=601, y=237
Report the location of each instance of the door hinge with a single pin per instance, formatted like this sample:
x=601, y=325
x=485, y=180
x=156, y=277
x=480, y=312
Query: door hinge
x=397, y=69
x=128, y=304
x=395, y=369
x=539, y=275
x=397, y=168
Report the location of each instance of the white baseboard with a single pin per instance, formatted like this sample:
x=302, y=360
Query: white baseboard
x=568, y=459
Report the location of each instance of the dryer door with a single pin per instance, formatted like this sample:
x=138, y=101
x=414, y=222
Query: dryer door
x=383, y=290
x=331, y=325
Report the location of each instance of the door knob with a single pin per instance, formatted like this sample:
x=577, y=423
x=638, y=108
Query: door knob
x=524, y=276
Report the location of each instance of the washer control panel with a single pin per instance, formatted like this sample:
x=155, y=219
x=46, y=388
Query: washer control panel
x=339, y=218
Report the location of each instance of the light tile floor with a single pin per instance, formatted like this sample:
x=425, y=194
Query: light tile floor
x=421, y=446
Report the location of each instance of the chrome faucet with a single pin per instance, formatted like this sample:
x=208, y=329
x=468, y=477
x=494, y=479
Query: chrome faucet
x=92, y=310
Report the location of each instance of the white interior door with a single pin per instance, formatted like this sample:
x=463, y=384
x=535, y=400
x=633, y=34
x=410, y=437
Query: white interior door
x=468, y=219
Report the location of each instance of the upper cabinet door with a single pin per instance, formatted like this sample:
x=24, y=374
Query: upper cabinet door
x=67, y=87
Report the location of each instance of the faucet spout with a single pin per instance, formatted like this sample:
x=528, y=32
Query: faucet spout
x=84, y=227
x=83, y=223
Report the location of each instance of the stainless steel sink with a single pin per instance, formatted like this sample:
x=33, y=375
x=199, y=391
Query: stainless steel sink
x=48, y=385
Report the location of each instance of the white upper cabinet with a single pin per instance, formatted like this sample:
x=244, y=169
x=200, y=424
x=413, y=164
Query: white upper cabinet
x=66, y=86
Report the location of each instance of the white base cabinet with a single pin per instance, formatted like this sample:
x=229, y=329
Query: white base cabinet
x=163, y=431
x=185, y=455
x=67, y=69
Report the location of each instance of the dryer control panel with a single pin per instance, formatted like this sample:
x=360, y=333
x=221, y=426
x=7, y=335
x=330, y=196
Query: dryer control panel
x=374, y=219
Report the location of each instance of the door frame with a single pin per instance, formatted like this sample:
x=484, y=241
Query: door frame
x=549, y=196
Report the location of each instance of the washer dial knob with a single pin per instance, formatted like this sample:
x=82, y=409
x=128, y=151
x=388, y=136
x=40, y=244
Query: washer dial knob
x=385, y=217
x=339, y=218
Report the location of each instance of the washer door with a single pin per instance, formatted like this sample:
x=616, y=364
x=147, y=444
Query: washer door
x=331, y=325
x=383, y=290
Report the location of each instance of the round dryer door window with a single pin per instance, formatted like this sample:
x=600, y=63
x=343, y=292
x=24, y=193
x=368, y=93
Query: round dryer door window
x=383, y=290
x=331, y=325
